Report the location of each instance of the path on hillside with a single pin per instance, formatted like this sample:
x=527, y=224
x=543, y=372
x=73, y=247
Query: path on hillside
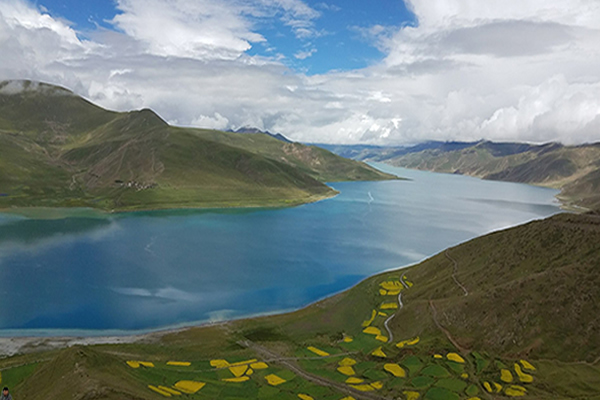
x=455, y=270
x=445, y=331
x=400, y=305
x=265, y=353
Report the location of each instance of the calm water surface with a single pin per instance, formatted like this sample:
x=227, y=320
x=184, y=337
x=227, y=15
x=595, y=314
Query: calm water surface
x=148, y=270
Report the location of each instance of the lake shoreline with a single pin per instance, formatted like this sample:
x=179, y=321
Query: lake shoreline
x=87, y=212
x=20, y=345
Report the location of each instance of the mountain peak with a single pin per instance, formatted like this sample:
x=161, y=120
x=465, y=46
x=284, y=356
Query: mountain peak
x=254, y=130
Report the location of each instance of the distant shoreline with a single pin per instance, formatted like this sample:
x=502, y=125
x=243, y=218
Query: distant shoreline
x=88, y=212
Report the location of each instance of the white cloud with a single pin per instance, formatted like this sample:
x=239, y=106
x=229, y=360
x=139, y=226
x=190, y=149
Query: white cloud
x=502, y=70
x=304, y=54
x=217, y=121
x=196, y=29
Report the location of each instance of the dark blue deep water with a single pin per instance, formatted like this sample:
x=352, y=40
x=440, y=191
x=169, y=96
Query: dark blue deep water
x=144, y=271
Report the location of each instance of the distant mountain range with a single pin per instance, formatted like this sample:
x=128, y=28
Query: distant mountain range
x=59, y=150
x=573, y=169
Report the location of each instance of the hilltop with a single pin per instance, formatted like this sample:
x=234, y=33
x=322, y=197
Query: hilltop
x=575, y=170
x=510, y=314
x=59, y=150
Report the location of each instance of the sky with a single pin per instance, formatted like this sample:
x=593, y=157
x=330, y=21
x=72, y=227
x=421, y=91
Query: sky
x=385, y=72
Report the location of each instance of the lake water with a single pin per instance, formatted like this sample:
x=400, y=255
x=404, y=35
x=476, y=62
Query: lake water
x=143, y=271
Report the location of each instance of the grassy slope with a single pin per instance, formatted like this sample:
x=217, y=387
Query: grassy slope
x=533, y=294
x=59, y=150
x=573, y=169
x=315, y=161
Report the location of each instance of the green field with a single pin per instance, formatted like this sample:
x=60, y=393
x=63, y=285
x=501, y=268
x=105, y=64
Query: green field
x=527, y=327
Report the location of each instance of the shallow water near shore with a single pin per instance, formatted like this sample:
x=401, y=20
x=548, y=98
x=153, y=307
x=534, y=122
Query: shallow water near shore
x=142, y=271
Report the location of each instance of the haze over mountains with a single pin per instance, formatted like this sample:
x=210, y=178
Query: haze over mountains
x=59, y=150
x=573, y=169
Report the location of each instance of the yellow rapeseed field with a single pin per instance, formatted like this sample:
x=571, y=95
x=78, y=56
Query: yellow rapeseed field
x=455, y=357
x=354, y=380
x=189, y=387
x=395, y=370
x=378, y=352
x=346, y=370
x=506, y=376
x=381, y=338
x=146, y=364
x=527, y=365
x=492, y=387
x=305, y=397
x=391, y=285
x=133, y=364
x=363, y=388
x=169, y=390
x=411, y=395
x=389, y=306
x=409, y=342
x=159, y=391
x=259, y=365
x=347, y=362
x=243, y=362
x=317, y=351
x=219, y=363
x=370, y=320
x=179, y=363
x=515, y=391
x=238, y=370
x=236, y=380
x=523, y=377
x=371, y=330
x=274, y=380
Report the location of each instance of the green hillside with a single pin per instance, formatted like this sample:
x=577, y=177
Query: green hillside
x=574, y=169
x=59, y=150
x=510, y=314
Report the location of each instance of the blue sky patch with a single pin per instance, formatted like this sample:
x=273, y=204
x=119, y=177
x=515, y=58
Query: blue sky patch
x=339, y=40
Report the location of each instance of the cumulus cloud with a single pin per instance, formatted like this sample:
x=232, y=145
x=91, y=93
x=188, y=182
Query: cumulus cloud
x=500, y=70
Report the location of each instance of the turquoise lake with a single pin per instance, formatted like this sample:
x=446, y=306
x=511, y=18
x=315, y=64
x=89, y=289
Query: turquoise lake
x=144, y=271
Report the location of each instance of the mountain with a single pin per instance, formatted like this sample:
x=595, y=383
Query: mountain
x=382, y=153
x=573, y=169
x=512, y=313
x=256, y=131
x=59, y=150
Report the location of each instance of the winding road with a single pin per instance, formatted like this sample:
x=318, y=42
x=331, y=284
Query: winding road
x=400, y=305
x=268, y=354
